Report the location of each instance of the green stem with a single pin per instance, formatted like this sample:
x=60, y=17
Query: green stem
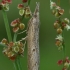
x=29, y=2
x=15, y=37
x=16, y=65
x=64, y=51
x=18, y=62
x=63, y=46
x=7, y=25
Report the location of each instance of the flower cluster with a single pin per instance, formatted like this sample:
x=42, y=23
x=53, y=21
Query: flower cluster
x=66, y=63
x=62, y=24
x=59, y=24
x=59, y=42
x=24, y=11
x=13, y=49
x=56, y=10
x=17, y=25
x=5, y=4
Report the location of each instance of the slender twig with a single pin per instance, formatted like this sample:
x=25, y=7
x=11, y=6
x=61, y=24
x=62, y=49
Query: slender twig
x=23, y=38
x=24, y=44
x=22, y=32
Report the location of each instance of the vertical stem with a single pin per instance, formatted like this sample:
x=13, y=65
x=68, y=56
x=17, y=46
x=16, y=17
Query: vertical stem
x=15, y=37
x=16, y=65
x=29, y=2
x=7, y=25
x=18, y=62
x=33, y=40
x=63, y=47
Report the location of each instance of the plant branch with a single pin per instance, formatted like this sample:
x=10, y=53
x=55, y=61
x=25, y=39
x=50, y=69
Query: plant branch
x=22, y=32
x=23, y=39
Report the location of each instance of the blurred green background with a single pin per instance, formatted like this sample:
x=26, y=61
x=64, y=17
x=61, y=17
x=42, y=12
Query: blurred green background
x=49, y=55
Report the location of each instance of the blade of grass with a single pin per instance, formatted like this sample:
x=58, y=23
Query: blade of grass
x=7, y=25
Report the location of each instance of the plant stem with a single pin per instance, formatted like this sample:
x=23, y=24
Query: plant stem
x=7, y=25
x=18, y=62
x=15, y=37
x=16, y=65
x=63, y=46
x=29, y=2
